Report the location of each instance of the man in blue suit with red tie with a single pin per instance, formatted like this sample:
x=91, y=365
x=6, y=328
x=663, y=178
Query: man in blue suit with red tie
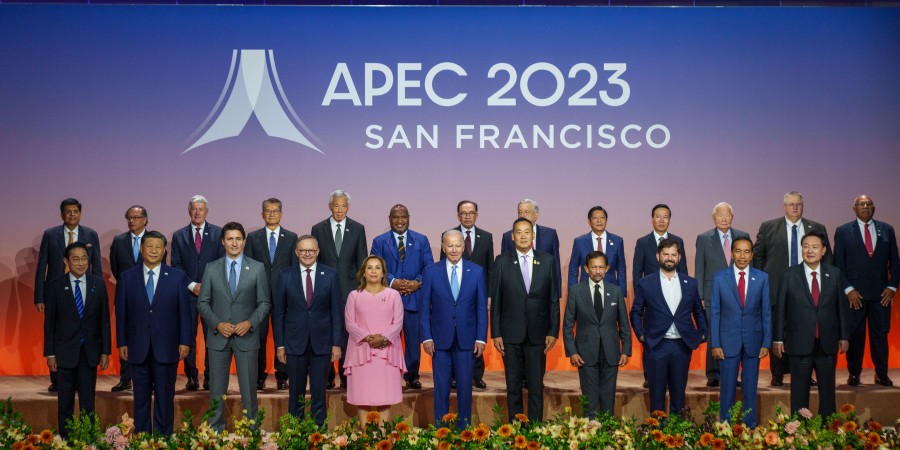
x=406, y=254
x=602, y=241
x=153, y=331
x=453, y=323
x=741, y=328
x=668, y=318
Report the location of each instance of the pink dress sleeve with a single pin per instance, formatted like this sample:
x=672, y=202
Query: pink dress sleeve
x=392, y=333
x=357, y=333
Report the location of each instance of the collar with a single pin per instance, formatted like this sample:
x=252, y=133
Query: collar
x=799, y=222
x=657, y=236
x=155, y=269
x=83, y=278
x=277, y=231
x=333, y=222
x=138, y=235
x=665, y=279
x=520, y=254
x=312, y=268
x=239, y=259
x=809, y=270
x=595, y=235
x=863, y=224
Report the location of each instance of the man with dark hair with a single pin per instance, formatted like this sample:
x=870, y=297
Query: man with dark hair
x=76, y=333
x=598, y=239
x=545, y=239
x=234, y=301
x=51, y=257
x=273, y=246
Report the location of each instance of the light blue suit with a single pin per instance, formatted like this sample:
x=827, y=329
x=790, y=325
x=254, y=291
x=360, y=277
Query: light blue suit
x=615, y=257
x=740, y=332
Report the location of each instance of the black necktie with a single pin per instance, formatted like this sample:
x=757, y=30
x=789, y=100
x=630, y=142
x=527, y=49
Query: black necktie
x=598, y=300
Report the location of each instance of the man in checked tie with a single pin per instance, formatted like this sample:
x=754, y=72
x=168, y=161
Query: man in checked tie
x=714, y=254
x=866, y=252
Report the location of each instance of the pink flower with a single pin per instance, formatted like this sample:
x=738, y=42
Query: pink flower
x=121, y=442
x=269, y=446
x=340, y=441
x=792, y=427
x=805, y=413
x=112, y=433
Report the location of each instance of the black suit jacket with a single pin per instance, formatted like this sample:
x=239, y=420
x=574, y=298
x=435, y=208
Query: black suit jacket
x=121, y=256
x=52, y=256
x=185, y=256
x=517, y=315
x=64, y=328
x=353, y=252
x=546, y=241
x=796, y=315
x=868, y=275
x=645, y=261
x=258, y=248
x=482, y=252
x=771, y=252
x=297, y=324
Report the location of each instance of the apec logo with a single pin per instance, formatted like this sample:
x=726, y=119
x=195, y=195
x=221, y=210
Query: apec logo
x=250, y=90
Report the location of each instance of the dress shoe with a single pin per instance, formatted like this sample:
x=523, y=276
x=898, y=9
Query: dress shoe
x=646, y=384
x=329, y=385
x=282, y=385
x=414, y=384
x=813, y=382
x=453, y=384
x=260, y=385
x=853, y=380
x=479, y=383
x=343, y=383
x=883, y=381
x=777, y=382
x=192, y=384
x=52, y=388
x=739, y=383
x=122, y=386
x=712, y=383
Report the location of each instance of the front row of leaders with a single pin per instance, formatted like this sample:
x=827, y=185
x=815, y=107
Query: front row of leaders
x=153, y=327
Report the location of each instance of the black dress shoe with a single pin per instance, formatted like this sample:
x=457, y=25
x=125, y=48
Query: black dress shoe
x=777, y=382
x=282, y=385
x=853, y=380
x=739, y=383
x=452, y=384
x=413, y=384
x=205, y=383
x=329, y=385
x=479, y=383
x=122, y=386
x=192, y=384
x=260, y=385
x=712, y=383
x=646, y=384
x=52, y=388
x=884, y=381
x=813, y=382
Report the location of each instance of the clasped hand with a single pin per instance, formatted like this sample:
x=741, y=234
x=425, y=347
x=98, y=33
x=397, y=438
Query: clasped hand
x=377, y=341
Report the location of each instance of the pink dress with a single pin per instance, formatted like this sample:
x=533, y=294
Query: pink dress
x=374, y=375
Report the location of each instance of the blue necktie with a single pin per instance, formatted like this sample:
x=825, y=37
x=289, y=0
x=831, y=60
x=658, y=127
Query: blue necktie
x=150, y=286
x=136, y=248
x=794, y=252
x=79, y=303
x=454, y=284
x=272, y=246
x=232, y=278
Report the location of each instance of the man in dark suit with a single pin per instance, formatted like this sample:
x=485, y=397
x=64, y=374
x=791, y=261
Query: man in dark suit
x=125, y=253
x=343, y=247
x=545, y=238
x=713, y=255
x=865, y=250
x=645, y=262
x=812, y=323
x=524, y=317
x=478, y=247
x=741, y=328
x=598, y=239
x=453, y=321
x=234, y=301
x=193, y=247
x=76, y=332
x=51, y=259
x=153, y=333
x=777, y=247
x=308, y=319
x=668, y=317
x=603, y=342
x=274, y=247
x=406, y=254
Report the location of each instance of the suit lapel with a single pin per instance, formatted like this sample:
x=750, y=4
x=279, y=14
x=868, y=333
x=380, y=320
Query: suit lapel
x=329, y=237
x=717, y=245
x=516, y=257
x=736, y=294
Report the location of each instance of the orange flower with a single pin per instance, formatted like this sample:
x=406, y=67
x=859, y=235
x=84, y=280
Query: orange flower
x=316, y=438
x=718, y=444
x=534, y=445
x=657, y=435
x=850, y=426
x=373, y=417
x=835, y=424
x=771, y=438
x=669, y=440
x=482, y=433
x=873, y=425
x=442, y=432
x=33, y=439
x=679, y=441
x=737, y=429
x=28, y=446
x=467, y=435
x=505, y=430
x=449, y=417
x=847, y=408
x=651, y=421
x=46, y=436
x=873, y=438
x=403, y=427
x=658, y=413
x=522, y=418
x=384, y=445
x=520, y=441
x=706, y=439
x=18, y=445
x=444, y=446
x=395, y=436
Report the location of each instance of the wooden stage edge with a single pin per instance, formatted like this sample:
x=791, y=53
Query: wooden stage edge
x=38, y=407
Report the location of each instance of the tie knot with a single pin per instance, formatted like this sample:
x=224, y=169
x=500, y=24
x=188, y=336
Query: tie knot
x=233, y=263
x=150, y=272
x=741, y=273
x=795, y=226
x=338, y=226
x=77, y=281
x=272, y=233
x=454, y=268
x=814, y=274
x=525, y=258
x=468, y=232
x=308, y=270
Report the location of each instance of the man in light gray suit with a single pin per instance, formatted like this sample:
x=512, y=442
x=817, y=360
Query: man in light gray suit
x=234, y=301
x=603, y=341
x=713, y=255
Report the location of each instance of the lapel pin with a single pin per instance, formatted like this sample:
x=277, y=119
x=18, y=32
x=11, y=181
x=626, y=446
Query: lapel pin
x=282, y=234
x=67, y=288
x=536, y=262
x=612, y=243
x=321, y=273
x=467, y=270
x=477, y=235
x=516, y=261
x=246, y=267
x=166, y=273
x=684, y=281
x=826, y=275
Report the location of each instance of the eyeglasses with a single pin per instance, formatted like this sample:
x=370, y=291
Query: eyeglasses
x=134, y=218
x=272, y=211
x=468, y=213
x=794, y=205
x=307, y=251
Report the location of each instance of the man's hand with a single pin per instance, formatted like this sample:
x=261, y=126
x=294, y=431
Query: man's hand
x=335, y=353
x=887, y=297
x=855, y=299
x=183, y=351
x=225, y=329
x=763, y=352
x=717, y=353
x=123, y=353
x=623, y=359
x=51, y=363
x=242, y=328
x=281, y=354
x=576, y=360
x=414, y=286
x=197, y=289
x=39, y=307
x=778, y=349
x=549, y=342
x=429, y=348
x=498, y=344
x=104, y=362
x=479, y=349
x=843, y=346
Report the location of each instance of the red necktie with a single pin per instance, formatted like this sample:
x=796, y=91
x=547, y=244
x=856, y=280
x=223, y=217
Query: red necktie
x=469, y=242
x=599, y=244
x=815, y=296
x=741, y=287
x=197, y=240
x=309, y=288
x=868, y=238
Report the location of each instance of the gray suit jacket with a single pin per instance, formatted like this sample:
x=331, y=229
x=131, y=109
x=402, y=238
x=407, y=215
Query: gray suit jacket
x=710, y=258
x=611, y=330
x=250, y=302
x=771, y=252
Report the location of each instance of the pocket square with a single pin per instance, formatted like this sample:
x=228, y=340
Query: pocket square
x=613, y=304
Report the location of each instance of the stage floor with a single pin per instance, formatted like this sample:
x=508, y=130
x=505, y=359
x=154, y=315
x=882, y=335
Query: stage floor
x=38, y=407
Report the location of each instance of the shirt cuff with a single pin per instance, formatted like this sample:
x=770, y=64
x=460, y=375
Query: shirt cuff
x=191, y=287
x=280, y=348
x=892, y=288
x=428, y=340
x=849, y=290
x=777, y=342
x=480, y=342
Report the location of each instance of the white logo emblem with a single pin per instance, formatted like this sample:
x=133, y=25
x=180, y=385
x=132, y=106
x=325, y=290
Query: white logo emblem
x=250, y=91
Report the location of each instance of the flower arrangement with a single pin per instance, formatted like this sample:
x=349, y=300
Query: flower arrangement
x=567, y=430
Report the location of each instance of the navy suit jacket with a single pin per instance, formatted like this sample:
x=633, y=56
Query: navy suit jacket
x=651, y=316
x=733, y=326
x=615, y=255
x=121, y=255
x=482, y=252
x=51, y=257
x=163, y=324
x=258, y=249
x=868, y=275
x=64, y=328
x=441, y=318
x=645, y=262
x=353, y=252
x=185, y=256
x=546, y=241
x=418, y=257
x=796, y=315
x=298, y=324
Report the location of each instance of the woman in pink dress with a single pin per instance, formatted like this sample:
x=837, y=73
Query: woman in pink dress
x=374, y=364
